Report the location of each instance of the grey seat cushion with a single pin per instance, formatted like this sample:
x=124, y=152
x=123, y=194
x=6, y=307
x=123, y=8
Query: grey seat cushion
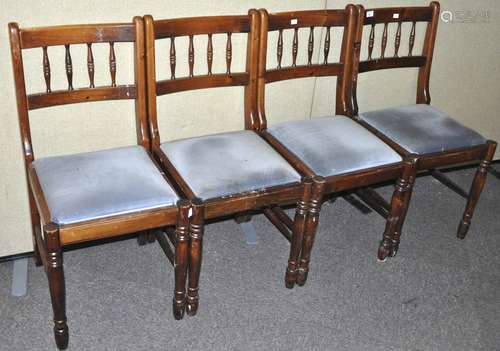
x=334, y=145
x=99, y=184
x=228, y=163
x=422, y=129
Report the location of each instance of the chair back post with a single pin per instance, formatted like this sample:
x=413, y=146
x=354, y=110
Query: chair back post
x=142, y=129
x=344, y=81
x=252, y=66
x=347, y=19
x=151, y=81
x=423, y=93
x=262, y=62
x=355, y=62
x=21, y=97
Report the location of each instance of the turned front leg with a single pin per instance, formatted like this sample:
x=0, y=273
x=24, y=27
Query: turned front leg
x=397, y=209
x=298, y=234
x=314, y=208
x=406, y=203
x=55, y=276
x=475, y=190
x=181, y=258
x=195, y=255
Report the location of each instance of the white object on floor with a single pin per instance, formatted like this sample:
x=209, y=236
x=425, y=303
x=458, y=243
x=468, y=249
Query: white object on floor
x=250, y=234
x=20, y=277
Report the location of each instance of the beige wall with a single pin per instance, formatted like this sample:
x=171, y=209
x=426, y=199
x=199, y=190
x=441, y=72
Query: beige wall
x=465, y=82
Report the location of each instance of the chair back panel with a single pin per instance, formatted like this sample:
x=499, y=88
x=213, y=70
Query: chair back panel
x=45, y=37
x=207, y=27
x=383, y=17
x=307, y=20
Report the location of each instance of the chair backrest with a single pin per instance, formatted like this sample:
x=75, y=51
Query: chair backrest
x=45, y=37
x=346, y=19
x=399, y=15
x=203, y=26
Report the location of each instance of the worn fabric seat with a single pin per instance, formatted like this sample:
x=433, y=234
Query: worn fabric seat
x=228, y=163
x=334, y=145
x=99, y=184
x=422, y=129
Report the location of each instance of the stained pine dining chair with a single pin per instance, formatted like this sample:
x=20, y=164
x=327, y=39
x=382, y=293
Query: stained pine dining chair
x=225, y=174
x=337, y=153
x=81, y=197
x=435, y=138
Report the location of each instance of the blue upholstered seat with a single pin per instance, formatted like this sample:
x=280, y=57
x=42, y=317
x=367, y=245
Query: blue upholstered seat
x=422, y=129
x=334, y=145
x=99, y=184
x=228, y=163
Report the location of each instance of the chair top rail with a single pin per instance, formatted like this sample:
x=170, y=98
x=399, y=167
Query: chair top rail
x=76, y=34
x=398, y=14
x=301, y=19
x=201, y=25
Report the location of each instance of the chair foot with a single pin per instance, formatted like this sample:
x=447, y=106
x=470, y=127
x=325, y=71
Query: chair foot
x=463, y=228
x=192, y=305
x=290, y=278
x=192, y=301
x=394, y=247
x=302, y=276
x=61, y=335
x=178, y=309
x=384, y=251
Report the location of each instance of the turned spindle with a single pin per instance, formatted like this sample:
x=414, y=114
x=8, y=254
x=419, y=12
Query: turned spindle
x=310, y=46
x=295, y=46
x=172, y=57
x=112, y=63
x=90, y=64
x=191, y=56
x=326, y=50
x=279, y=49
x=69, y=68
x=229, y=53
x=371, y=41
x=46, y=69
x=384, y=41
x=397, y=40
x=412, y=39
x=210, y=54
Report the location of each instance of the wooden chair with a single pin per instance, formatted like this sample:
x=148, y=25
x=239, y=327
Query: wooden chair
x=335, y=151
x=94, y=195
x=432, y=136
x=226, y=174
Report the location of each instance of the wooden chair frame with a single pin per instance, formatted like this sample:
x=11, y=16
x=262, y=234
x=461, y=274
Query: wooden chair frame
x=430, y=14
x=236, y=204
x=334, y=184
x=49, y=237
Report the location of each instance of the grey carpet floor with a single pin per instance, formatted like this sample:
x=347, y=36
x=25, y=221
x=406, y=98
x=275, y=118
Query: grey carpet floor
x=439, y=293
